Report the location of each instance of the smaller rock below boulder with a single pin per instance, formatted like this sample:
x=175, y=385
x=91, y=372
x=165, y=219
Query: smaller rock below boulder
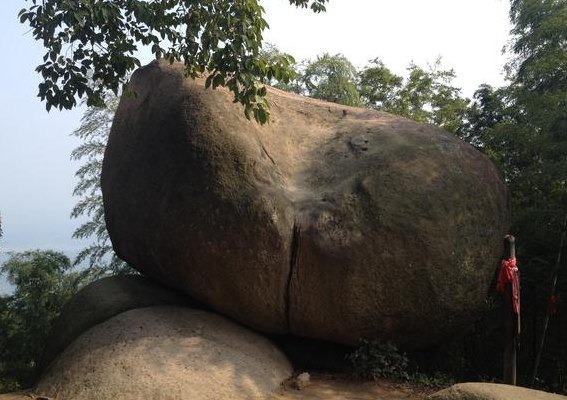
x=102, y=300
x=492, y=391
x=301, y=381
x=167, y=353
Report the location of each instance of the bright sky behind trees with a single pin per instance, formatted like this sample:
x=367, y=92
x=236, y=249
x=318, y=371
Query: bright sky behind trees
x=36, y=174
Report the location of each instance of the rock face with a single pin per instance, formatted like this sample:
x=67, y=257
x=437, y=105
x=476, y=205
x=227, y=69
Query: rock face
x=492, y=391
x=102, y=300
x=165, y=353
x=330, y=222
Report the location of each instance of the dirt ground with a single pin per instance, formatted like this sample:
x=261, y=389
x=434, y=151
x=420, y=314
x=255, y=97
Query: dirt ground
x=323, y=387
x=336, y=387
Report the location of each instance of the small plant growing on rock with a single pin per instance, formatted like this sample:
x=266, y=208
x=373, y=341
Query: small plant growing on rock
x=376, y=359
x=437, y=380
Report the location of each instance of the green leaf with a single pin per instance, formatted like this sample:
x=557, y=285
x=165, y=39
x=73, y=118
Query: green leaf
x=218, y=80
x=209, y=81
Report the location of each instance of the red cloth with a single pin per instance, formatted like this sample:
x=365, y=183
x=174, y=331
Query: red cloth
x=509, y=275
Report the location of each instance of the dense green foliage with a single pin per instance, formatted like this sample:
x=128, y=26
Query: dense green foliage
x=523, y=128
x=375, y=359
x=332, y=78
x=95, y=41
x=424, y=96
x=43, y=282
x=270, y=53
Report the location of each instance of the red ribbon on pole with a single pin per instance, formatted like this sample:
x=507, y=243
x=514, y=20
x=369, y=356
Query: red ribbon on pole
x=509, y=275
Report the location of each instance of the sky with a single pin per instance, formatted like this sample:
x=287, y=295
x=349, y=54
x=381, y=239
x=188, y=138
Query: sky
x=37, y=175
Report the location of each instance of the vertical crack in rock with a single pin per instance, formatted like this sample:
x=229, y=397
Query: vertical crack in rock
x=293, y=264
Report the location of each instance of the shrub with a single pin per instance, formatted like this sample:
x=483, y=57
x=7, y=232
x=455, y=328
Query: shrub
x=374, y=359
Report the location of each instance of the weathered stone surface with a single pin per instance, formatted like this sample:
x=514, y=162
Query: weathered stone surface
x=331, y=222
x=17, y=396
x=167, y=353
x=492, y=391
x=102, y=300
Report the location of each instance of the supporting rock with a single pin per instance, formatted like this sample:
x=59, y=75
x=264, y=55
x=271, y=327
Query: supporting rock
x=167, y=353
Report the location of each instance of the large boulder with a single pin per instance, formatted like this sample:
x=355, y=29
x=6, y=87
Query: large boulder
x=167, y=352
x=330, y=222
x=102, y=300
x=492, y=391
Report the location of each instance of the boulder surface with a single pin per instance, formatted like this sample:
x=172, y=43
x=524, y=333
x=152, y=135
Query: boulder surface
x=492, y=391
x=330, y=222
x=167, y=353
x=102, y=300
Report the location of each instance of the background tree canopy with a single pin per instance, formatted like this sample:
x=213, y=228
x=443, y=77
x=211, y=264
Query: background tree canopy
x=332, y=78
x=523, y=128
x=43, y=282
x=92, y=41
x=93, y=132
